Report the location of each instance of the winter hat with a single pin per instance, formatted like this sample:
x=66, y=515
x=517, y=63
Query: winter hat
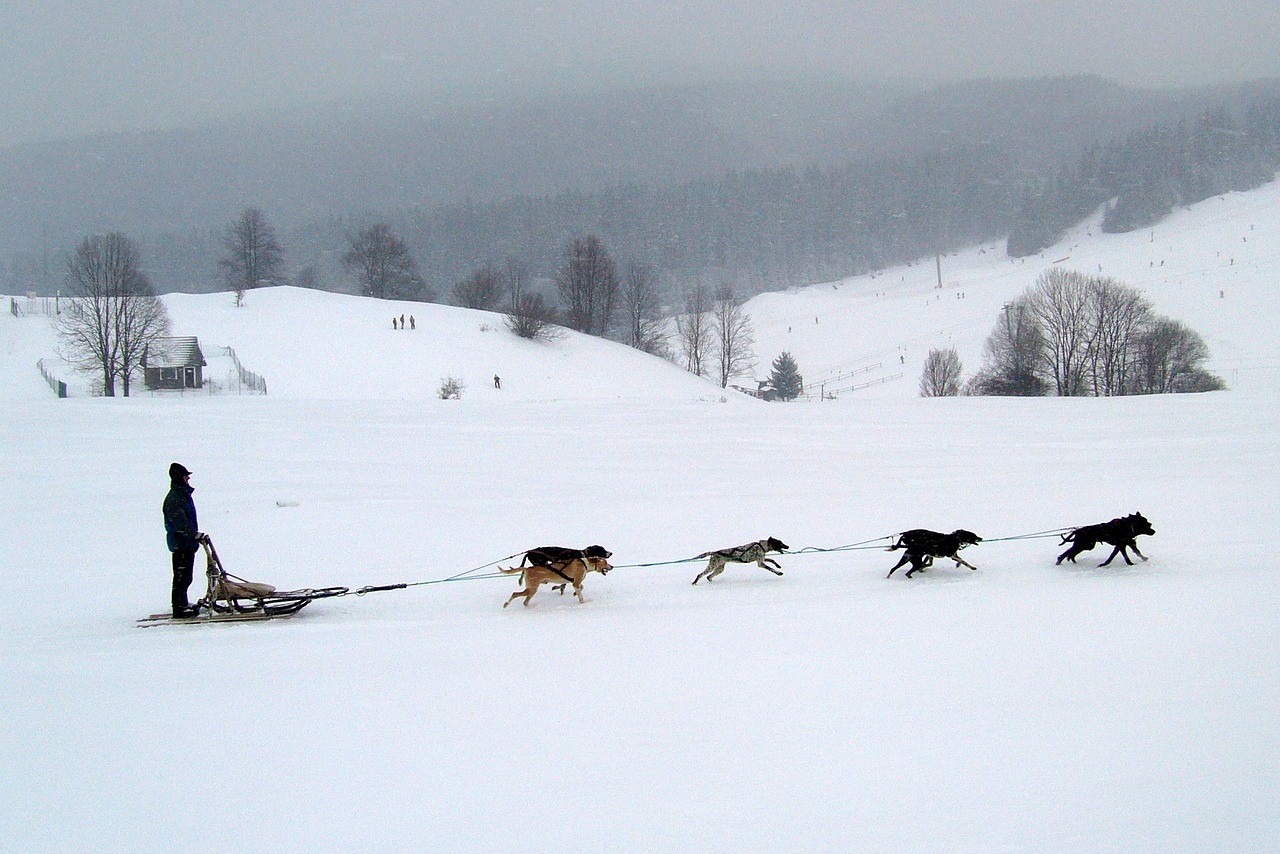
x=178, y=471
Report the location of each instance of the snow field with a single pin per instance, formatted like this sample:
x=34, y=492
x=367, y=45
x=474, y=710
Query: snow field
x=1019, y=707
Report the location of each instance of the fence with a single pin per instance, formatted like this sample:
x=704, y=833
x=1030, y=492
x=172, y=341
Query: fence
x=48, y=306
x=248, y=379
x=58, y=386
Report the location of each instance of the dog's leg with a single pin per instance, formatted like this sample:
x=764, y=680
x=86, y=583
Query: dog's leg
x=905, y=558
x=715, y=566
x=962, y=562
x=577, y=589
x=919, y=564
x=763, y=563
x=1115, y=552
x=531, y=587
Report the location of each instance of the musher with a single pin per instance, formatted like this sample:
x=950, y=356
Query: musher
x=183, y=536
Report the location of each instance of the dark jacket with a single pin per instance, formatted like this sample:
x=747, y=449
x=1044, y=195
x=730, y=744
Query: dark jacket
x=180, y=518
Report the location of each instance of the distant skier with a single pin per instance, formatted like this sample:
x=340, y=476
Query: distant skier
x=412, y=324
x=497, y=383
x=402, y=321
x=183, y=536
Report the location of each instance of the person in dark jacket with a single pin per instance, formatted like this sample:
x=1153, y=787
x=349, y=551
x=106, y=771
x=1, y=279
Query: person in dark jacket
x=183, y=536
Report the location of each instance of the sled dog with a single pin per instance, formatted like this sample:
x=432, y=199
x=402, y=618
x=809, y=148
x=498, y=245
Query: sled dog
x=750, y=553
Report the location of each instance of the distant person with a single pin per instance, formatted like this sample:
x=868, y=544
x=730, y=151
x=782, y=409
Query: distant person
x=412, y=325
x=402, y=321
x=183, y=536
x=497, y=383
x=393, y=322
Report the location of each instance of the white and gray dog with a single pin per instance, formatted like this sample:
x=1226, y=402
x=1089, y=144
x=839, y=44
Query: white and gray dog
x=750, y=553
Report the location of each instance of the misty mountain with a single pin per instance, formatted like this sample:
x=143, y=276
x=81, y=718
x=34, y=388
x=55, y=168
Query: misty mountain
x=315, y=171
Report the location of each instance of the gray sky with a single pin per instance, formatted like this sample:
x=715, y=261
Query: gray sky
x=69, y=68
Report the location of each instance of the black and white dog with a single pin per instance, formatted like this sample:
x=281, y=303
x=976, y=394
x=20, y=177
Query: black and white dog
x=923, y=546
x=1121, y=532
x=750, y=553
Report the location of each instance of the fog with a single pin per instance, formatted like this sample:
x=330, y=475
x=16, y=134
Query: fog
x=72, y=68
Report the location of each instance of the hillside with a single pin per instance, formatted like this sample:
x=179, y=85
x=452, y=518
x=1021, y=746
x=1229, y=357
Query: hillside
x=1213, y=266
x=1208, y=266
x=319, y=173
x=1023, y=706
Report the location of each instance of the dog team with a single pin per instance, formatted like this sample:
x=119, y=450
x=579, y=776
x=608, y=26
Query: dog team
x=564, y=566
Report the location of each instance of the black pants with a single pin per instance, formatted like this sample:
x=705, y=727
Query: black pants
x=183, y=562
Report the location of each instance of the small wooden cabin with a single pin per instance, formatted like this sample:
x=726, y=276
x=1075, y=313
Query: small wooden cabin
x=174, y=363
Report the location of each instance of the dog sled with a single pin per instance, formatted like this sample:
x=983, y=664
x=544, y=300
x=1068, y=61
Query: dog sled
x=229, y=598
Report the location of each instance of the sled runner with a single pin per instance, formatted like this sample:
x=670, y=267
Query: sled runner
x=230, y=598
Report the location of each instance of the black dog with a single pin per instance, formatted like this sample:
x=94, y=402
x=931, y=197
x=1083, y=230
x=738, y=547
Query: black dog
x=923, y=546
x=558, y=558
x=551, y=556
x=1120, y=532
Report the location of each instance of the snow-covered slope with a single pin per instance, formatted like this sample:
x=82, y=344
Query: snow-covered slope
x=309, y=344
x=1024, y=706
x=1216, y=267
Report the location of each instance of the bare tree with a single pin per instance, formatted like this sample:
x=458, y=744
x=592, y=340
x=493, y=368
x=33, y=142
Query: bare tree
x=1119, y=315
x=733, y=334
x=114, y=314
x=484, y=289
x=382, y=265
x=1013, y=355
x=941, y=376
x=254, y=257
x=587, y=283
x=307, y=277
x=528, y=314
x=1170, y=357
x=693, y=329
x=142, y=320
x=640, y=304
x=1060, y=301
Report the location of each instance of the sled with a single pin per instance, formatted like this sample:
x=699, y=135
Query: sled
x=229, y=598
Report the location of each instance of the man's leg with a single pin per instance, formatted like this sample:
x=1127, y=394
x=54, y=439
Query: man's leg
x=183, y=563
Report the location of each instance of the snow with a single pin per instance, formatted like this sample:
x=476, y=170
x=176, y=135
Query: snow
x=1019, y=707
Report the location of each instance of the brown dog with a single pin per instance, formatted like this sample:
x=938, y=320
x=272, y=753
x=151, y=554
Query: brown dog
x=575, y=570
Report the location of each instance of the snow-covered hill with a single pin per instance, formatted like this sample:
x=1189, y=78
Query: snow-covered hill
x=1216, y=267
x=1024, y=706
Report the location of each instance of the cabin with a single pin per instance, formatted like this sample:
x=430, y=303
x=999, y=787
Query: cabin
x=173, y=363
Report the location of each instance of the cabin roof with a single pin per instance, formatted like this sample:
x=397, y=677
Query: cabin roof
x=175, y=352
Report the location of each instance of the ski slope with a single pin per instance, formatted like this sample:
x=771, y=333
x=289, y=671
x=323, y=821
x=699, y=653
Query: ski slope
x=1022, y=706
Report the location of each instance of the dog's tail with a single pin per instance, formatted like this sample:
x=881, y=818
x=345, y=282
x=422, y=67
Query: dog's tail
x=1068, y=537
x=897, y=545
x=511, y=570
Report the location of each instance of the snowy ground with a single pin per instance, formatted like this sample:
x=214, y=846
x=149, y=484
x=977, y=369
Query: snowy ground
x=1021, y=707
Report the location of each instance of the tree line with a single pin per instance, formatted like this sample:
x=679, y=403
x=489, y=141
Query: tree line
x=1144, y=176
x=1072, y=335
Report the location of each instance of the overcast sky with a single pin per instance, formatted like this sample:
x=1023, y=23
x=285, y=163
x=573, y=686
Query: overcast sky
x=69, y=68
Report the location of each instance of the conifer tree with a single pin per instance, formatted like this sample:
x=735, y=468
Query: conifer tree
x=785, y=378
